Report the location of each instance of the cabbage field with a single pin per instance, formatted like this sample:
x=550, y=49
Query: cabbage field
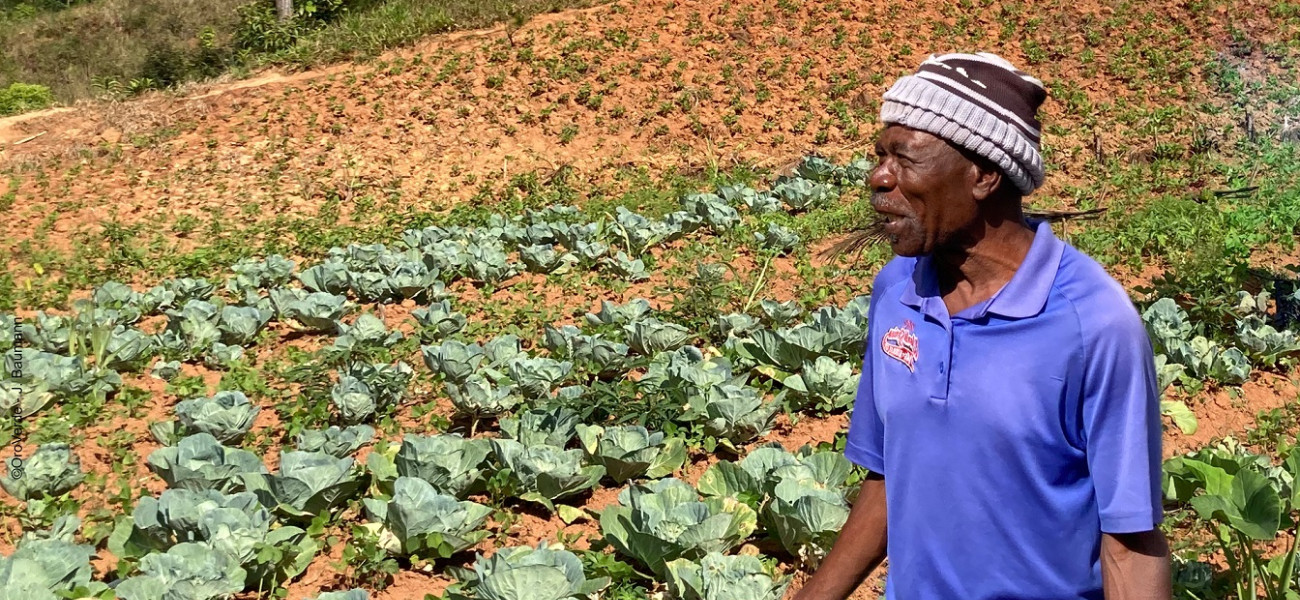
x=545, y=312
x=523, y=429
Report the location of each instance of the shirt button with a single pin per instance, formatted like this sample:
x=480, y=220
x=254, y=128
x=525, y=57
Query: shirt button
x=941, y=367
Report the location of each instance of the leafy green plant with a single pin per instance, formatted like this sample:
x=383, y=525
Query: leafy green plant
x=541, y=426
x=823, y=385
x=454, y=361
x=544, y=474
x=779, y=314
x=308, y=484
x=51, y=470
x=49, y=564
x=536, y=377
x=438, y=320
x=719, y=577
x=417, y=519
x=479, y=397
x=523, y=573
x=656, y=523
x=335, y=441
x=187, y=570
x=22, y=97
x=732, y=325
x=631, y=451
x=367, y=331
x=1265, y=344
x=365, y=389
x=1172, y=334
x=235, y=524
x=310, y=311
x=649, y=336
x=199, y=462
x=619, y=314
x=777, y=239
x=452, y=464
x=226, y=416
x=801, y=497
x=191, y=330
x=731, y=414
x=1244, y=500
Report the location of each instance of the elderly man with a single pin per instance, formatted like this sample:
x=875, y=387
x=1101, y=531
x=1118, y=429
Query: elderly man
x=1007, y=410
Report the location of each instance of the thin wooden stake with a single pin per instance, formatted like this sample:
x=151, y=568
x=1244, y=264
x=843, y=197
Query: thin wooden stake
x=29, y=138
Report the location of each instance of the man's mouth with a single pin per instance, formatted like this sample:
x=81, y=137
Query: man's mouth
x=891, y=222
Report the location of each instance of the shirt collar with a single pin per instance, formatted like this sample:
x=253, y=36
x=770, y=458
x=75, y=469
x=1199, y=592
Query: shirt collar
x=1024, y=296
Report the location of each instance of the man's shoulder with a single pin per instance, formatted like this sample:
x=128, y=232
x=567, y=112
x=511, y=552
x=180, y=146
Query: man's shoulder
x=1100, y=303
x=897, y=270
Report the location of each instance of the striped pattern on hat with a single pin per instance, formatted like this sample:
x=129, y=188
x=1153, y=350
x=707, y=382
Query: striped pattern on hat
x=979, y=102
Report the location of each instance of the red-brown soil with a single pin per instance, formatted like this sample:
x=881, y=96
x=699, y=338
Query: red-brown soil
x=431, y=124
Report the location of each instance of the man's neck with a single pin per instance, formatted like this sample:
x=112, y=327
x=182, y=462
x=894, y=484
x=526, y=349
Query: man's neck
x=974, y=271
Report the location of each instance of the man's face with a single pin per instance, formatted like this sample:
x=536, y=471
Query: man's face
x=923, y=189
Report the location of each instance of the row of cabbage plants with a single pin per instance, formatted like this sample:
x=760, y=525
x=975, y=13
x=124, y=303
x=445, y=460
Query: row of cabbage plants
x=226, y=526
x=84, y=352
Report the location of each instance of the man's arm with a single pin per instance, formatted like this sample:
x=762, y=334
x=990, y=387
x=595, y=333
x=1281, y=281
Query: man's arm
x=859, y=549
x=1135, y=566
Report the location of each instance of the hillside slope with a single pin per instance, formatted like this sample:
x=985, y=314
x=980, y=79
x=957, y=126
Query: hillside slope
x=660, y=84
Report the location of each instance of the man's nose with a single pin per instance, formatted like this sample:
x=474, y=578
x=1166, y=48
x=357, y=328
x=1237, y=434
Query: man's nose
x=882, y=179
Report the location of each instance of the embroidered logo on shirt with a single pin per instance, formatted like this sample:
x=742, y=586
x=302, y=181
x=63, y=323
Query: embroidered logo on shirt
x=900, y=344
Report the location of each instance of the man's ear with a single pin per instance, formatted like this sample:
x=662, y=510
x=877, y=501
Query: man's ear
x=987, y=181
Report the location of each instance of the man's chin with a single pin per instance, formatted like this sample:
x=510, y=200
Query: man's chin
x=905, y=249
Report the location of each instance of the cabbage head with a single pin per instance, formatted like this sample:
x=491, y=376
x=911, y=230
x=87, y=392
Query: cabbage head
x=452, y=464
x=649, y=336
x=366, y=331
x=453, y=360
x=619, y=314
x=543, y=474
x=186, y=570
x=732, y=414
x=523, y=573
x=479, y=397
x=777, y=239
x=227, y=416
x=536, y=377
x=200, y=462
x=438, y=320
x=330, y=277
x=656, y=523
x=541, y=426
x=720, y=577
x=308, y=484
x=335, y=441
x=823, y=384
x=48, y=565
x=417, y=519
x=236, y=525
x=310, y=311
x=239, y=324
x=780, y=313
x=800, y=496
x=631, y=451
x=51, y=470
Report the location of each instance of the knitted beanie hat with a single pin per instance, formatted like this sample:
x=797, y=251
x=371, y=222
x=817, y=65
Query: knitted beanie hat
x=979, y=102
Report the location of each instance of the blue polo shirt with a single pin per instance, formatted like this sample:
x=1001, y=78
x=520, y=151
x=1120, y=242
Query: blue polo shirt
x=1010, y=435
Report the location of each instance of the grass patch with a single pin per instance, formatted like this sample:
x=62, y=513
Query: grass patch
x=118, y=47
x=71, y=50
x=379, y=26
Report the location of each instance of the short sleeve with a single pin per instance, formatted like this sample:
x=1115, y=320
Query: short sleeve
x=866, y=439
x=1121, y=422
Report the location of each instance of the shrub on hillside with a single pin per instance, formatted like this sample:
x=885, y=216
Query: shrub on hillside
x=261, y=31
x=22, y=97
